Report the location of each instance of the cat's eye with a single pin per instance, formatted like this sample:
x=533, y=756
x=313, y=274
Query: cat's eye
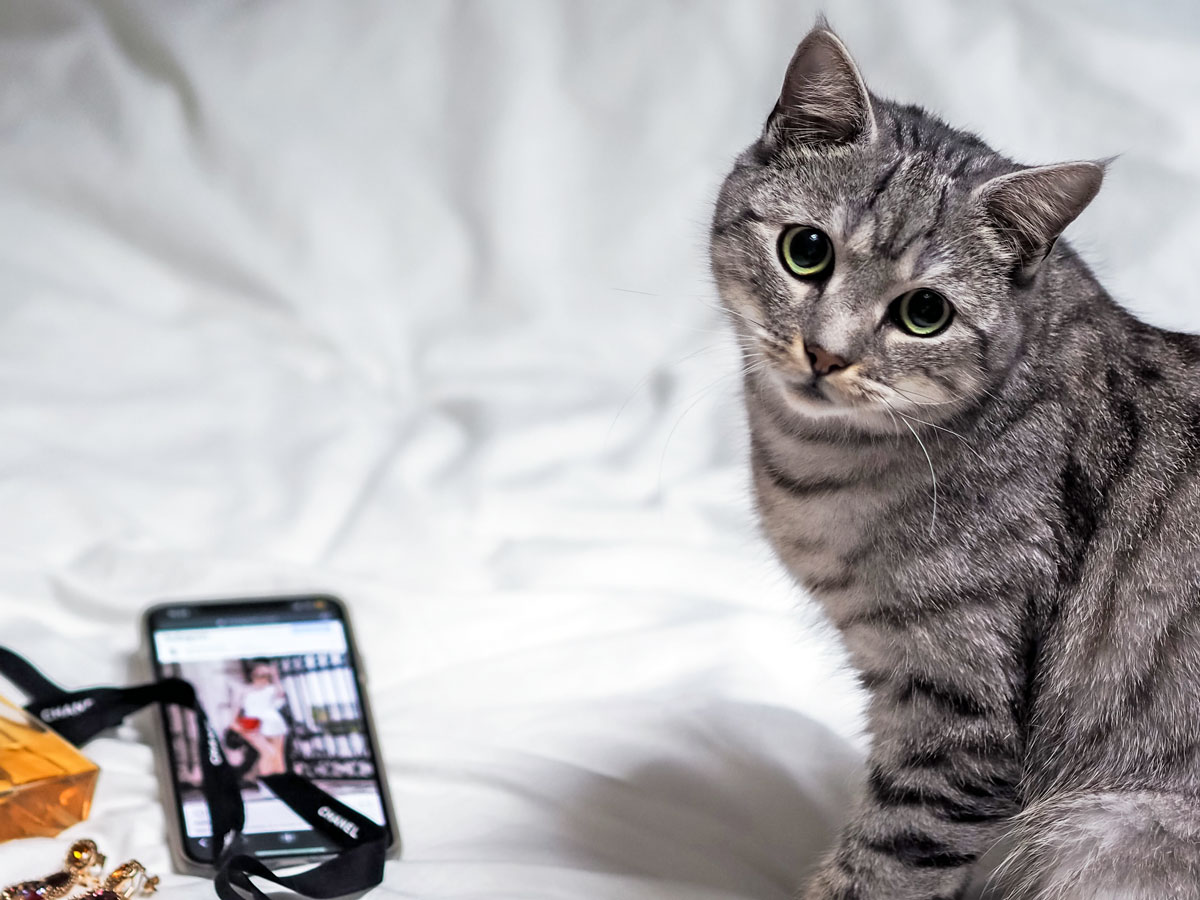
x=922, y=312
x=806, y=252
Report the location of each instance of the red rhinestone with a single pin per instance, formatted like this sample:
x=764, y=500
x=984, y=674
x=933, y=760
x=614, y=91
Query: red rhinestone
x=58, y=880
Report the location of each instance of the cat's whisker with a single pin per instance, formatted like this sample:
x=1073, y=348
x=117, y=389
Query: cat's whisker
x=896, y=423
x=932, y=474
x=928, y=459
x=707, y=348
x=955, y=397
x=950, y=431
x=695, y=401
x=761, y=362
x=989, y=393
x=905, y=392
x=733, y=312
x=908, y=391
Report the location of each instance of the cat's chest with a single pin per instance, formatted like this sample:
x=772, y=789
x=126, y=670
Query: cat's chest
x=820, y=505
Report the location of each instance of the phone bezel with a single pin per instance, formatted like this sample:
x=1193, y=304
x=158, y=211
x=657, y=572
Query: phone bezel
x=164, y=765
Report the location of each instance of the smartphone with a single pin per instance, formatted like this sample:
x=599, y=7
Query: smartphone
x=280, y=681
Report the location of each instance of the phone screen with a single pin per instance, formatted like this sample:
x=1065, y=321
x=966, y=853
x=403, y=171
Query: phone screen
x=278, y=681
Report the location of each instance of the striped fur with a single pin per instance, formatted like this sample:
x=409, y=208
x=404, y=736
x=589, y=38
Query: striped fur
x=1028, y=630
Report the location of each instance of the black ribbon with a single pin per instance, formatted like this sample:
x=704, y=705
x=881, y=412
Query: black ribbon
x=80, y=715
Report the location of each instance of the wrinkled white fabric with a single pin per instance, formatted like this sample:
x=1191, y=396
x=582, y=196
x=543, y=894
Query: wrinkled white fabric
x=409, y=302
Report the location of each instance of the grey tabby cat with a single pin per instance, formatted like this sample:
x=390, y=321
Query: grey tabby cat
x=1028, y=626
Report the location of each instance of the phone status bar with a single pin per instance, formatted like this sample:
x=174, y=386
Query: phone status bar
x=249, y=612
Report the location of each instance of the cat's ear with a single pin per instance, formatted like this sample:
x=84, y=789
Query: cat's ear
x=1030, y=208
x=824, y=99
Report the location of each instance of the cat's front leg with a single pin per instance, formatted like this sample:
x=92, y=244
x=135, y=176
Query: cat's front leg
x=932, y=807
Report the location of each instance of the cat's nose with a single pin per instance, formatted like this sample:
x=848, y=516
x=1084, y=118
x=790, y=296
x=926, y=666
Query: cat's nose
x=824, y=362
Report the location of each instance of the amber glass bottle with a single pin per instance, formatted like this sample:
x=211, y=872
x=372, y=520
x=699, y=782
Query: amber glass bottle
x=46, y=784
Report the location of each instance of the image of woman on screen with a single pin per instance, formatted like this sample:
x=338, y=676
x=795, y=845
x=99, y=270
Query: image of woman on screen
x=259, y=721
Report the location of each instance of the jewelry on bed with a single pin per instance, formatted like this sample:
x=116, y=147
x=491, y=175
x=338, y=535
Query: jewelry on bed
x=82, y=858
x=126, y=881
x=82, y=871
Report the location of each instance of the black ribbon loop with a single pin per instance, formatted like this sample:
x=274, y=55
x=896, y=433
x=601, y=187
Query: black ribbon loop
x=80, y=715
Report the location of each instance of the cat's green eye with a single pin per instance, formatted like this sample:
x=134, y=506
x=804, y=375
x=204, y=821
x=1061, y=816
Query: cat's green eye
x=922, y=312
x=805, y=252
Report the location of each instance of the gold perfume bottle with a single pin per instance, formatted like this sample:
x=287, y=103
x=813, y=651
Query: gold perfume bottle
x=46, y=785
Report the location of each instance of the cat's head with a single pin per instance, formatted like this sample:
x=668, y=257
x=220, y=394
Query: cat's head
x=874, y=259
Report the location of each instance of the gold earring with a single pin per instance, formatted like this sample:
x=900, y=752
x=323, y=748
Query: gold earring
x=82, y=858
x=125, y=881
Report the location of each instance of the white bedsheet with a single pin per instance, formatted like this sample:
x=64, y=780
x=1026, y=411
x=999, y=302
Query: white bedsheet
x=408, y=301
